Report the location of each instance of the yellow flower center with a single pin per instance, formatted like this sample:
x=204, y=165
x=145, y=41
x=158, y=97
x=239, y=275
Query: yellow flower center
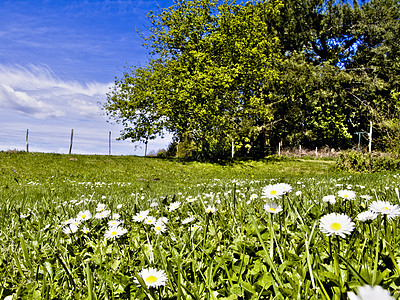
x=346, y=196
x=151, y=279
x=114, y=233
x=158, y=228
x=335, y=226
x=272, y=209
x=83, y=216
x=273, y=192
x=386, y=208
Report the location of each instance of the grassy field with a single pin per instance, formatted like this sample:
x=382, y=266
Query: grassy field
x=123, y=227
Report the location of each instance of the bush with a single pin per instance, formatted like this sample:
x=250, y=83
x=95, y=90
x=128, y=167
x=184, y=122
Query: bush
x=353, y=161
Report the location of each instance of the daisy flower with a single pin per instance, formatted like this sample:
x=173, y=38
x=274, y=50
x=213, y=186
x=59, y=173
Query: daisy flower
x=159, y=227
x=140, y=216
x=103, y=214
x=85, y=230
x=338, y=224
x=366, y=216
x=366, y=197
x=100, y=207
x=114, y=232
x=73, y=221
x=273, y=208
x=347, y=194
x=195, y=227
x=286, y=188
x=368, y=292
x=163, y=220
x=385, y=208
x=187, y=220
x=69, y=221
x=114, y=223
x=330, y=198
x=115, y=216
x=272, y=191
x=84, y=215
x=253, y=196
x=153, y=277
x=70, y=228
x=150, y=220
x=174, y=206
x=210, y=209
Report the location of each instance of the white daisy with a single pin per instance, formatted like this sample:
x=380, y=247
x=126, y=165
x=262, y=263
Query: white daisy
x=84, y=215
x=100, y=207
x=85, y=230
x=174, y=206
x=366, y=216
x=329, y=198
x=163, y=220
x=253, y=196
x=114, y=223
x=115, y=216
x=347, y=194
x=272, y=191
x=159, y=228
x=195, y=227
x=153, y=277
x=210, y=209
x=273, y=208
x=150, y=220
x=368, y=292
x=338, y=224
x=70, y=228
x=114, y=232
x=103, y=214
x=140, y=216
x=385, y=208
x=286, y=188
x=187, y=220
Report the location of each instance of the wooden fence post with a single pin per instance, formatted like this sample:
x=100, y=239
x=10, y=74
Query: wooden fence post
x=370, y=137
x=72, y=137
x=232, y=148
x=279, y=148
x=27, y=140
x=109, y=143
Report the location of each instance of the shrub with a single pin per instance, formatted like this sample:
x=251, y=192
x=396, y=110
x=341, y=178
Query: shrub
x=353, y=161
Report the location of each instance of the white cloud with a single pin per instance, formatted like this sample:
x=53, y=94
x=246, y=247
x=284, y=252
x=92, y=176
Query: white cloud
x=38, y=92
x=35, y=98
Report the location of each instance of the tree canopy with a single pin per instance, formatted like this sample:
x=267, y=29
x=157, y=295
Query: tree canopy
x=227, y=77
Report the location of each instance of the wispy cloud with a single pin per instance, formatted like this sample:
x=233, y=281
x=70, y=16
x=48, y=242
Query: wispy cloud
x=36, y=91
x=35, y=98
x=57, y=62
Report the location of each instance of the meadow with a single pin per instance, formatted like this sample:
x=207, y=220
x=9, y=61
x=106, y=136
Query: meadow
x=124, y=227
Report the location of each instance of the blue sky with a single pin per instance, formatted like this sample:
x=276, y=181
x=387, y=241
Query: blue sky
x=58, y=60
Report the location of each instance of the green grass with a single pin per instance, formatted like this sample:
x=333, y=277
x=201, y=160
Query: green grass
x=239, y=252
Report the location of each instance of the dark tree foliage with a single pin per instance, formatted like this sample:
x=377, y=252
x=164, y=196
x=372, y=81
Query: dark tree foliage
x=231, y=78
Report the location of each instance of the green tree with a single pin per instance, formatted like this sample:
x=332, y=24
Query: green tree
x=210, y=77
x=375, y=68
